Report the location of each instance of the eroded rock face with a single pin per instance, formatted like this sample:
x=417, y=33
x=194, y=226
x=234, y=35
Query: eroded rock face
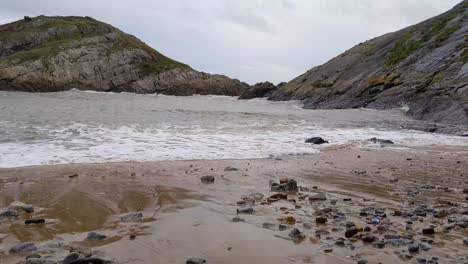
x=423, y=67
x=47, y=54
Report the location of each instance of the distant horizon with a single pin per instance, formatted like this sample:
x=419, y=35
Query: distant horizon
x=285, y=41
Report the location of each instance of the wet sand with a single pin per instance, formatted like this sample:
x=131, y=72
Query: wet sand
x=185, y=218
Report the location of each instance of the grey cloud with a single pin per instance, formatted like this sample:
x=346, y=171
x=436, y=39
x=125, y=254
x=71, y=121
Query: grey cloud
x=252, y=40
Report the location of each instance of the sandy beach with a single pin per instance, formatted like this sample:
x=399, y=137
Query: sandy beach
x=388, y=195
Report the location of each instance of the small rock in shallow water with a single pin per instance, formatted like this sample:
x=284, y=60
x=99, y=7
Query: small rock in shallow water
x=207, y=179
x=95, y=236
x=35, y=221
x=195, y=261
x=23, y=247
x=381, y=141
x=316, y=141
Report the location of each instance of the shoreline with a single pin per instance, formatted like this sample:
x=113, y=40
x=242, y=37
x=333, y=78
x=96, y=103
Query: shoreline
x=184, y=218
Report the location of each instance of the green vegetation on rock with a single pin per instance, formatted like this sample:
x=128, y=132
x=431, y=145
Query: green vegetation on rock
x=411, y=42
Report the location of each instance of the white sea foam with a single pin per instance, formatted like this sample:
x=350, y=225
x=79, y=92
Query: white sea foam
x=75, y=127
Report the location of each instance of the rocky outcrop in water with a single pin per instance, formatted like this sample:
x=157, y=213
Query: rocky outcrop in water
x=423, y=66
x=263, y=89
x=47, y=54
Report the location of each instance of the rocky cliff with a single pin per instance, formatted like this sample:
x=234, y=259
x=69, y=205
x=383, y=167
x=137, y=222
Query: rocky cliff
x=46, y=54
x=423, y=67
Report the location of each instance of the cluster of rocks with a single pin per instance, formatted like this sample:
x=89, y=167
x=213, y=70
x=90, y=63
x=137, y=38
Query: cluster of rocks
x=75, y=256
x=332, y=225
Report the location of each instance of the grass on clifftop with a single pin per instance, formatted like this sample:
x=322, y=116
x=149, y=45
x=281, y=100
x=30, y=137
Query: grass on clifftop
x=409, y=43
x=64, y=33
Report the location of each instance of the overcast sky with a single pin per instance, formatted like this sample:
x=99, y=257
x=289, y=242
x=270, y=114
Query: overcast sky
x=252, y=40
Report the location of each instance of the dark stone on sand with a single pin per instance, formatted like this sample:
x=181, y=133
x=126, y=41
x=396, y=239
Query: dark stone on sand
x=73, y=176
x=362, y=261
x=95, y=236
x=71, y=257
x=23, y=247
x=90, y=261
x=35, y=221
x=249, y=210
x=381, y=141
x=195, y=261
x=428, y=231
x=207, y=179
x=8, y=214
x=285, y=185
x=350, y=232
x=35, y=255
x=282, y=227
x=465, y=241
x=318, y=197
x=369, y=238
x=296, y=235
x=321, y=220
x=413, y=248
x=237, y=220
x=316, y=141
x=229, y=168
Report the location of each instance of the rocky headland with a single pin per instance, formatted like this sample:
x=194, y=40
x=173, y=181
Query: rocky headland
x=49, y=54
x=423, y=67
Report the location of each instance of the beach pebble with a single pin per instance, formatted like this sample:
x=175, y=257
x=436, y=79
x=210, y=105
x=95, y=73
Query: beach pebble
x=321, y=220
x=131, y=217
x=229, y=168
x=249, y=210
x=207, y=179
x=8, y=214
x=39, y=261
x=71, y=257
x=350, y=232
x=237, y=219
x=95, y=236
x=296, y=235
x=369, y=238
x=90, y=261
x=318, y=197
x=413, y=248
x=195, y=261
x=35, y=221
x=23, y=247
x=465, y=241
x=16, y=205
x=428, y=231
x=35, y=255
